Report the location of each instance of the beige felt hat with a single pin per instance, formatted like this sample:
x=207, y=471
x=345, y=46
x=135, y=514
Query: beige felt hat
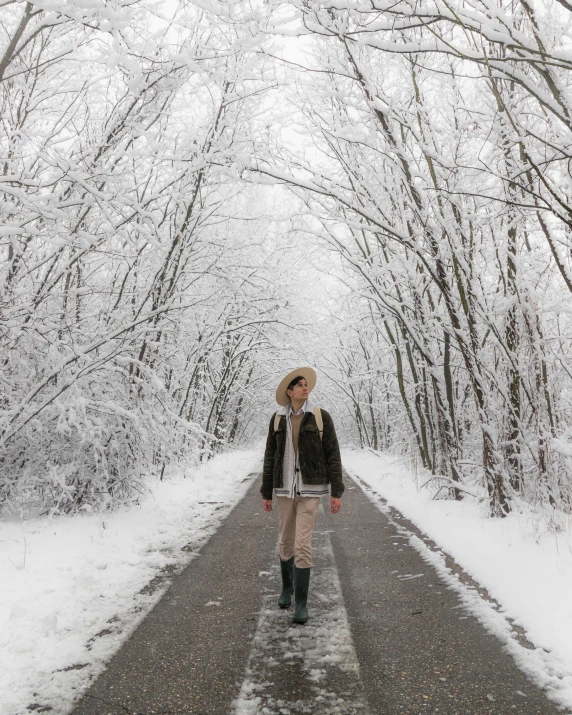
x=307, y=372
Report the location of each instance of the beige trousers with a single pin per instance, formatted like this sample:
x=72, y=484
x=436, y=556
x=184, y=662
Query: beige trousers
x=297, y=518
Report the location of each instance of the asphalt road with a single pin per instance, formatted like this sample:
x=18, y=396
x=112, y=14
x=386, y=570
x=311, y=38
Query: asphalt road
x=386, y=635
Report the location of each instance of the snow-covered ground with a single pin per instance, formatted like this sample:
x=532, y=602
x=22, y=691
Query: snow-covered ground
x=523, y=561
x=70, y=587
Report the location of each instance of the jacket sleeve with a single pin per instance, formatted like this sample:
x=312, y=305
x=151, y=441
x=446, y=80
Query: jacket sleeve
x=332, y=454
x=268, y=466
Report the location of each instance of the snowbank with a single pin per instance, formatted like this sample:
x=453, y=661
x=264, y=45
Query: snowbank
x=525, y=566
x=71, y=586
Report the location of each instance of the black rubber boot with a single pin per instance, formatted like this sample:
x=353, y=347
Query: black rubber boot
x=301, y=584
x=287, y=568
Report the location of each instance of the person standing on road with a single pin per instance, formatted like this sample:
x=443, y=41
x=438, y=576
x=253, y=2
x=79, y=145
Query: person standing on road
x=301, y=463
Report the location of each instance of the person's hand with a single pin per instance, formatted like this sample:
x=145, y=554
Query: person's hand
x=335, y=505
x=267, y=504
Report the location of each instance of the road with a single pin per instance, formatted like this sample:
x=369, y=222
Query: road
x=386, y=636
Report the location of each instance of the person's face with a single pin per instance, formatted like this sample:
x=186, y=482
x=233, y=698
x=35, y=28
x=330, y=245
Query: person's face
x=299, y=391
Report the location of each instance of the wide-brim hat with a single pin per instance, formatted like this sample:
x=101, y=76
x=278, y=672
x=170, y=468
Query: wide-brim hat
x=308, y=373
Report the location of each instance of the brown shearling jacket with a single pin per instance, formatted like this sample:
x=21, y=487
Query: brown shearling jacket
x=320, y=461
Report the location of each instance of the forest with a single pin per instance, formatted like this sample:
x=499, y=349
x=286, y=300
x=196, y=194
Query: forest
x=198, y=195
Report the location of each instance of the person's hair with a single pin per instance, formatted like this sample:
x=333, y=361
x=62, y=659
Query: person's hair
x=292, y=384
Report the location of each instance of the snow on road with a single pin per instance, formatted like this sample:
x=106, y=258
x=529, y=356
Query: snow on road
x=318, y=658
x=72, y=588
x=524, y=561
